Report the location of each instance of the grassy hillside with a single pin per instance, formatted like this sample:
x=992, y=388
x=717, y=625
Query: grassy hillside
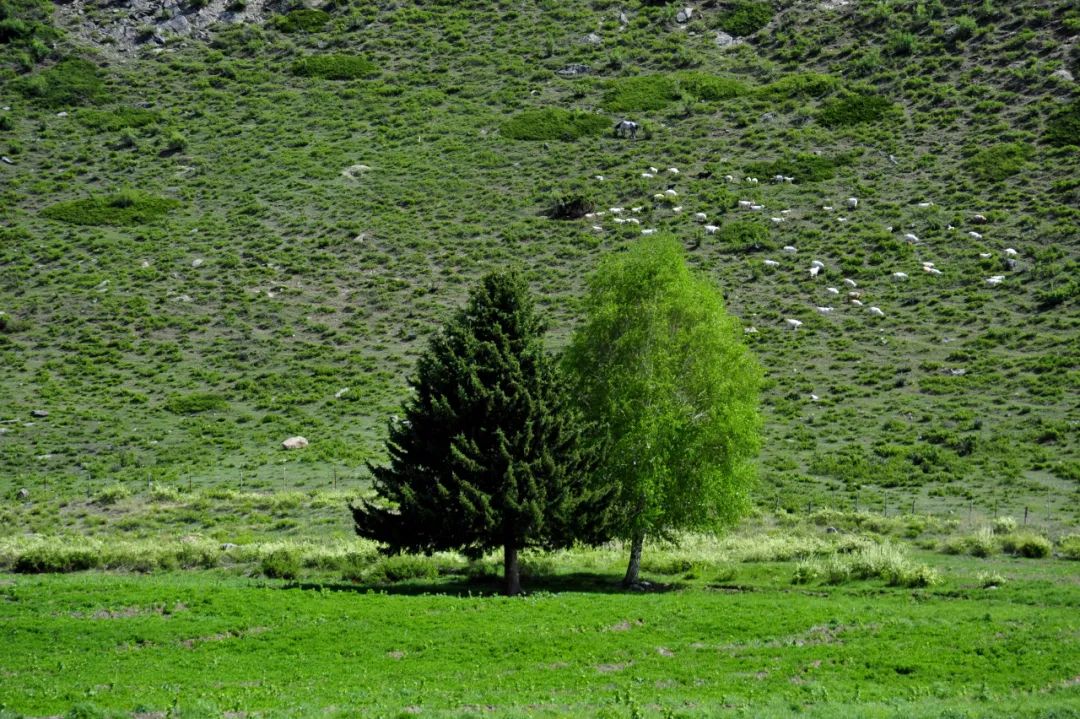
x=209, y=245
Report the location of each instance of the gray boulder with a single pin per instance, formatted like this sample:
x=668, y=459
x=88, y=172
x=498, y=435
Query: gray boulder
x=684, y=15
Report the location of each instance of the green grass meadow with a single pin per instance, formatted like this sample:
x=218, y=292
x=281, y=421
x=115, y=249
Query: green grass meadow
x=210, y=243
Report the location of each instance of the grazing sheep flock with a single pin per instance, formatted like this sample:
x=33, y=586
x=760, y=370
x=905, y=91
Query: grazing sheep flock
x=663, y=204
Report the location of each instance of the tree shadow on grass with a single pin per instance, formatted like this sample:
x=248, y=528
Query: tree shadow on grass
x=461, y=586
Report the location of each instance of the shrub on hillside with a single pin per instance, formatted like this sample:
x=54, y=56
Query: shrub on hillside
x=402, y=567
x=571, y=204
x=1003, y=525
x=998, y=162
x=69, y=82
x=856, y=109
x=554, y=123
x=195, y=403
x=112, y=494
x=124, y=208
x=57, y=558
x=116, y=118
x=1027, y=544
x=334, y=67
x=745, y=236
x=800, y=85
x=1063, y=127
x=804, y=167
x=745, y=17
x=1070, y=546
x=302, y=20
x=640, y=93
x=282, y=563
x=710, y=88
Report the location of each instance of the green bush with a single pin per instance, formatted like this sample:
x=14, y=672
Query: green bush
x=800, y=85
x=302, y=20
x=640, y=93
x=116, y=118
x=195, y=403
x=283, y=563
x=804, y=167
x=1003, y=525
x=1027, y=544
x=1070, y=546
x=710, y=88
x=163, y=493
x=69, y=82
x=112, y=494
x=124, y=208
x=856, y=109
x=335, y=67
x=1063, y=127
x=745, y=17
x=998, y=162
x=402, y=567
x=554, y=123
x=57, y=558
x=744, y=236
x=990, y=579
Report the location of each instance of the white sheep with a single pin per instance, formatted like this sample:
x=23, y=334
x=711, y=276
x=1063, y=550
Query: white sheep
x=850, y=282
x=648, y=175
x=876, y=311
x=711, y=229
x=750, y=330
x=974, y=235
x=745, y=204
x=832, y=290
x=778, y=178
x=817, y=263
x=634, y=220
x=1011, y=252
x=597, y=228
x=932, y=270
x=776, y=220
x=793, y=324
x=615, y=210
x=995, y=280
x=700, y=216
x=757, y=208
x=648, y=231
x=814, y=272
x=729, y=178
x=911, y=238
x=790, y=249
x=673, y=170
x=677, y=209
x=598, y=177
x=636, y=209
x=824, y=310
x=985, y=255
x=789, y=180
x=978, y=219
x=620, y=221
x=671, y=193
x=653, y=170
x=899, y=275
x=857, y=303
x=827, y=208
x=659, y=196
x=771, y=263
x=924, y=205
x=853, y=202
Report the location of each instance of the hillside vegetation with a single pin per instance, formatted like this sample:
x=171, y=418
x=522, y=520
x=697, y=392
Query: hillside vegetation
x=212, y=242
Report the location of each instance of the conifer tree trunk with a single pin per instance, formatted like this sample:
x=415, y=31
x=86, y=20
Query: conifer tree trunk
x=633, y=571
x=511, y=570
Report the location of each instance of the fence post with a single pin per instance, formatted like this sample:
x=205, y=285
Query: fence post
x=335, y=479
x=1025, y=516
x=913, y=507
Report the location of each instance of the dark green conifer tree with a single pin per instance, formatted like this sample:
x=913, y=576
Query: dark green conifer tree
x=488, y=454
